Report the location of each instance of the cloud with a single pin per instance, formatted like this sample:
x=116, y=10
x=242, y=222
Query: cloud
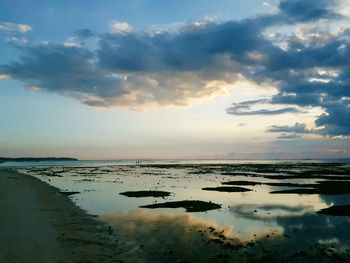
x=297, y=128
x=308, y=10
x=284, y=136
x=312, y=69
x=206, y=47
x=336, y=120
x=331, y=125
x=291, y=132
x=4, y=76
x=73, y=71
x=13, y=27
x=139, y=69
x=244, y=109
x=234, y=111
x=343, y=8
x=121, y=27
x=135, y=69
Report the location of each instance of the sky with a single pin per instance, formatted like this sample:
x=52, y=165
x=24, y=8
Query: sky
x=171, y=79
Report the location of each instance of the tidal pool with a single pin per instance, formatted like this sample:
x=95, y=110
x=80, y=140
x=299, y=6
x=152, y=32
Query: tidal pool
x=223, y=212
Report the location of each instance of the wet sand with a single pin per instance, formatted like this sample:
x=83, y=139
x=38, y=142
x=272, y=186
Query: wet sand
x=38, y=224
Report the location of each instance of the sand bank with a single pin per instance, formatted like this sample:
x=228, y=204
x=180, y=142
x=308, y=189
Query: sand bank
x=38, y=224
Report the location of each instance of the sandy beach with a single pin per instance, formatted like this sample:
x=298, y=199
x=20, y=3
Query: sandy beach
x=38, y=224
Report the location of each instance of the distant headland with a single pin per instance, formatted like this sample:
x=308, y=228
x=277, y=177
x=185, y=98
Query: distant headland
x=36, y=159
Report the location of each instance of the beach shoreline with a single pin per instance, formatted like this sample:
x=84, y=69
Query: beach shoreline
x=38, y=224
x=41, y=223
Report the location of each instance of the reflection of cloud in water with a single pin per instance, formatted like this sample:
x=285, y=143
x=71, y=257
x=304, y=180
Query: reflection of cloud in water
x=319, y=232
x=165, y=237
x=170, y=236
x=304, y=229
x=299, y=221
x=142, y=222
x=150, y=236
x=312, y=227
x=336, y=199
x=262, y=197
x=269, y=212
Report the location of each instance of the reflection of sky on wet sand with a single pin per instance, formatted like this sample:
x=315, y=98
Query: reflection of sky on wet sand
x=272, y=219
x=180, y=236
x=168, y=237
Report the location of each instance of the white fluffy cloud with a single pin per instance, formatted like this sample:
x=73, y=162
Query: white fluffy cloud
x=121, y=27
x=13, y=27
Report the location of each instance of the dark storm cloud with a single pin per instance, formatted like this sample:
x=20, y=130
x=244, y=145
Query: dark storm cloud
x=133, y=68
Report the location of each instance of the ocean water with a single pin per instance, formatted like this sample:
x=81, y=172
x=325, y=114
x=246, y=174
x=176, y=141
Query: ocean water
x=287, y=223
x=93, y=163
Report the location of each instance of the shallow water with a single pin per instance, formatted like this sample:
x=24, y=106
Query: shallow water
x=286, y=224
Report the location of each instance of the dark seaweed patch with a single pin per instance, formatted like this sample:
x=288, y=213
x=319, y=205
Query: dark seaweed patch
x=69, y=193
x=338, y=210
x=150, y=193
x=230, y=189
x=189, y=205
